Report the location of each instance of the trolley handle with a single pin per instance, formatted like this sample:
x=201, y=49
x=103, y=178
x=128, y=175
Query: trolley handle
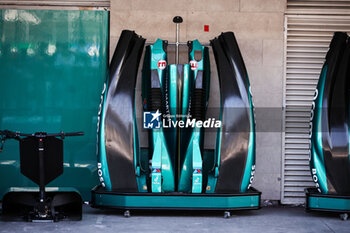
x=63, y=135
x=6, y=134
x=15, y=135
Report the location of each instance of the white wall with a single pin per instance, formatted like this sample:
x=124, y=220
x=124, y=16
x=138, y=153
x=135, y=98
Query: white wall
x=258, y=26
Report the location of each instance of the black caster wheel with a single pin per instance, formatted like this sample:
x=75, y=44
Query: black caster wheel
x=344, y=216
x=127, y=214
x=227, y=214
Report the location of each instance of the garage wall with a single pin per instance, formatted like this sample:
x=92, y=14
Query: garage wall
x=258, y=26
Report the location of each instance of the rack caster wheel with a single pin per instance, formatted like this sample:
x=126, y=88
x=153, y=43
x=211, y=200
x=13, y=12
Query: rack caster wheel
x=227, y=214
x=127, y=214
x=344, y=216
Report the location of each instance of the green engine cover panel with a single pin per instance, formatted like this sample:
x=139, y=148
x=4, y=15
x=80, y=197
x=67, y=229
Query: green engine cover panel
x=53, y=66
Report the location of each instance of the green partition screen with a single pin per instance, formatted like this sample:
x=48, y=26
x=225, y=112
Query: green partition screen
x=53, y=65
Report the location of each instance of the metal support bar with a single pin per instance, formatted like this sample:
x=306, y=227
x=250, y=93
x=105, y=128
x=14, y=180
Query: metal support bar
x=177, y=20
x=177, y=44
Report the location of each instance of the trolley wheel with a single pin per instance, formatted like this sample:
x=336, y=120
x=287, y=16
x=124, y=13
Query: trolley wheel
x=227, y=214
x=127, y=214
x=344, y=216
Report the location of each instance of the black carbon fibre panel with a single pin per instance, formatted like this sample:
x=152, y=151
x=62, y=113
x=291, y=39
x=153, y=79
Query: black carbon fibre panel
x=119, y=125
x=235, y=109
x=335, y=116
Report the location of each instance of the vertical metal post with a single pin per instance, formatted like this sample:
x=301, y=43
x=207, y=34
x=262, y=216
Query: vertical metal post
x=41, y=170
x=177, y=44
x=177, y=20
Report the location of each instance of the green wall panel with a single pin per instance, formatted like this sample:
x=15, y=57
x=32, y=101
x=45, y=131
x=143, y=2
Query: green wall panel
x=53, y=65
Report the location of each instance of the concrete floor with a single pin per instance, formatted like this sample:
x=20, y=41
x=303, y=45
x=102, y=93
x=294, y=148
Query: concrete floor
x=267, y=219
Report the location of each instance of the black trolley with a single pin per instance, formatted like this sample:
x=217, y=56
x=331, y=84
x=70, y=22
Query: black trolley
x=41, y=160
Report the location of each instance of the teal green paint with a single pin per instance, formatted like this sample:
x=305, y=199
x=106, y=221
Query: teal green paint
x=318, y=165
x=196, y=46
x=157, y=54
x=190, y=180
x=250, y=163
x=173, y=106
x=102, y=149
x=157, y=164
x=318, y=113
x=173, y=90
x=185, y=184
x=186, y=91
x=196, y=163
x=163, y=181
x=167, y=168
x=177, y=201
x=161, y=160
x=173, y=102
x=53, y=65
x=329, y=203
x=317, y=160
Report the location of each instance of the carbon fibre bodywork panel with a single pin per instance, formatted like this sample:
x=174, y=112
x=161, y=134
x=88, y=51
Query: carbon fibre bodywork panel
x=236, y=115
x=330, y=136
x=119, y=113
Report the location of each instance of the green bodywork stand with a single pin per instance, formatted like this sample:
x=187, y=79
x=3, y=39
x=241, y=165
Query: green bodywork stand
x=182, y=175
x=316, y=201
x=176, y=201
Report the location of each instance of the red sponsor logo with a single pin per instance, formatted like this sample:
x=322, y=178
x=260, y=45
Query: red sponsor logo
x=194, y=65
x=161, y=64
